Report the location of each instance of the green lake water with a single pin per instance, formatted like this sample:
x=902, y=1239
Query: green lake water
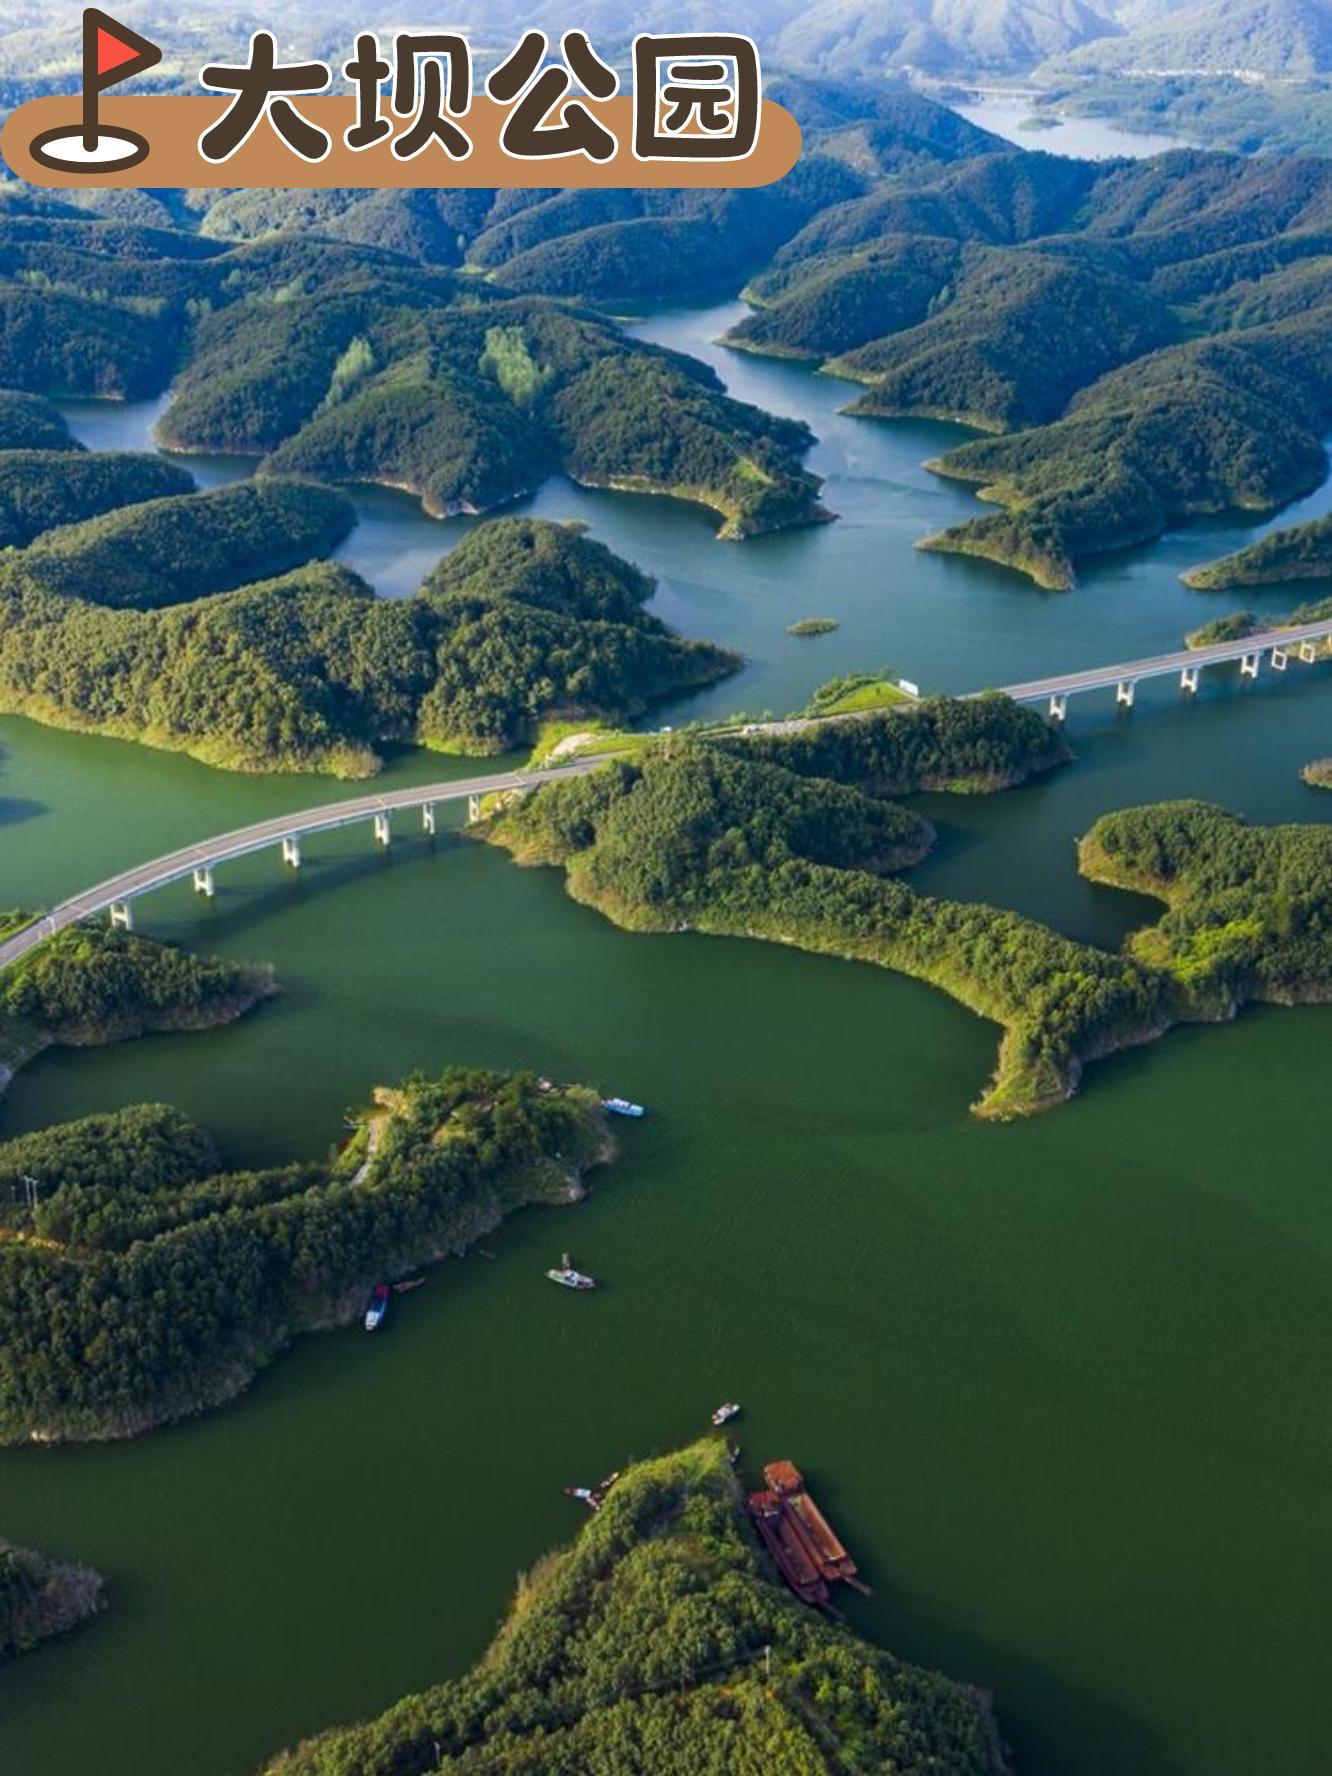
x=1062, y=1385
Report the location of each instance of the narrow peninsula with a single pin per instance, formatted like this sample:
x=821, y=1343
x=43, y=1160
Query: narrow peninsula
x=661, y=1641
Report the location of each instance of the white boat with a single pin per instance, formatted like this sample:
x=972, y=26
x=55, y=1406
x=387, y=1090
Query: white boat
x=569, y=1278
x=622, y=1107
x=374, y=1314
x=725, y=1413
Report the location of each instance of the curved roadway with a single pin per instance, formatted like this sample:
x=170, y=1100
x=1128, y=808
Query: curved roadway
x=211, y=852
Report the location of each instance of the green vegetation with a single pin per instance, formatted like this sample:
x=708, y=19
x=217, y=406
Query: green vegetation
x=1215, y=110
x=1237, y=626
x=1318, y=774
x=787, y=838
x=471, y=404
x=645, y=1647
x=40, y=489
x=148, y=1284
x=853, y=693
x=1304, y=552
x=89, y=985
x=525, y=620
x=40, y=1598
x=813, y=626
x=1248, y=907
x=30, y=422
x=182, y=547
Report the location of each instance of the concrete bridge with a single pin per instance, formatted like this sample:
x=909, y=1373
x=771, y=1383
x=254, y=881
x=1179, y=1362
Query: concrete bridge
x=285, y=832
x=116, y=896
x=1305, y=642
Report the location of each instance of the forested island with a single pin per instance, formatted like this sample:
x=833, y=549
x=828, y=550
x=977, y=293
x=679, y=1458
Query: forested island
x=140, y=624
x=792, y=840
x=147, y=1283
x=41, y=1598
x=661, y=1641
x=1148, y=338
x=89, y=985
x=1302, y=552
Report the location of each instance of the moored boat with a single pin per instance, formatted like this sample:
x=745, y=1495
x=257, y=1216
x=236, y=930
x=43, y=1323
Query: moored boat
x=726, y=1412
x=569, y=1278
x=622, y=1107
x=374, y=1314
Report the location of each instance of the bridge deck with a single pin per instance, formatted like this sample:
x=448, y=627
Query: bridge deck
x=211, y=852
x=1102, y=678
x=265, y=833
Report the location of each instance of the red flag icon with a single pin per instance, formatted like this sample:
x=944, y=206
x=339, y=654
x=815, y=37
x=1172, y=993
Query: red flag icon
x=112, y=52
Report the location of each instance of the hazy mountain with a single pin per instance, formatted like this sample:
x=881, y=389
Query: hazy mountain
x=939, y=36
x=1291, y=38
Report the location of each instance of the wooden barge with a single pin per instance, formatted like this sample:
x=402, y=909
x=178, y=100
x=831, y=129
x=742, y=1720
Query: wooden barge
x=809, y=1554
x=787, y=1546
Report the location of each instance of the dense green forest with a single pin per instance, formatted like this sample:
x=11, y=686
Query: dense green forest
x=148, y=1284
x=89, y=984
x=524, y=620
x=1150, y=337
x=721, y=840
x=1303, y=552
x=31, y=422
x=645, y=1647
x=177, y=548
x=43, y=488
x=41, y=1597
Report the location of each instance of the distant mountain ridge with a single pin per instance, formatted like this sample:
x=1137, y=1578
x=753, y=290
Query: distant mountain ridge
x=1287, y=39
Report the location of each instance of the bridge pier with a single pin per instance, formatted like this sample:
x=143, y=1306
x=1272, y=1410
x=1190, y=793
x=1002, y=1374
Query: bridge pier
x=1124, y=691
x=122, y=915
x=203, y=881
x=1058, y=708
x=1279, y=659
x=383, y=830
x=473, y=809
x=291, y=851
x=428, y=817
x=1249, y=665
x=1188, y=679
x=1308, y=652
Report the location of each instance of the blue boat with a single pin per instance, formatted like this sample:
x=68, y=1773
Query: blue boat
x=622, y=1107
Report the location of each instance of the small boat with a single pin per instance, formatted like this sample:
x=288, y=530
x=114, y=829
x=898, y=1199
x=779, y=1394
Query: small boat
x=374, y=1314
x=585, y=1495
x=569, y=1278
x=725, y=1413
x=406, y=1286
x=622, y=1107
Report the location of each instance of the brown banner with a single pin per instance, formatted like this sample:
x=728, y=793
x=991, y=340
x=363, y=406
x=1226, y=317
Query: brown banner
x=171, y=126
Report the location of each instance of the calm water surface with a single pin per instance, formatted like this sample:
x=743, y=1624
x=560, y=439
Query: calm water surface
x=1062, y=1384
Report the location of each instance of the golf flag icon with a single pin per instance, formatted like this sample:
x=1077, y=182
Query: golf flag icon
x=111, y=53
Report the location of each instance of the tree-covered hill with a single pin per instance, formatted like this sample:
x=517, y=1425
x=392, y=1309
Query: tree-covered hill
x=1159, y=329
x=660, y=1642
x=764, y=845
x=31, y=422
x=1303, y=552
x=43, y=488
x=146, y=1284
x=41, y=1597
x=177, y=547
x=89, y=985
x=309, y=671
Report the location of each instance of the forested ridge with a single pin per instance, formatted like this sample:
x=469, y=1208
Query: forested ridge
x=88, y=985
x=660, y=1641
x=105, y=629
x=1302, y=552
x=715, y=839
x=147, y=1283
x=41, y=1597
